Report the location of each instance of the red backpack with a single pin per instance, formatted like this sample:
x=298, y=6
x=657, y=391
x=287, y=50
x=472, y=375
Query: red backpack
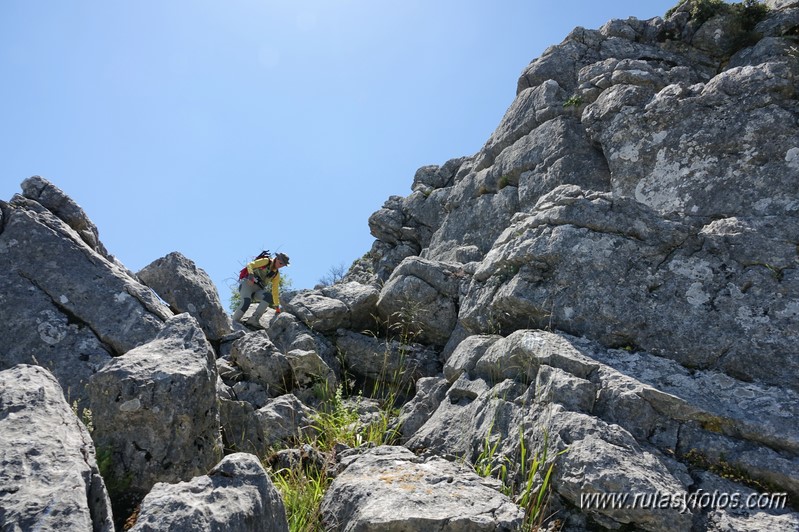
x=244, y=273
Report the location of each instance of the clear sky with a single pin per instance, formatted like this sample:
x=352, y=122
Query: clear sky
x=220, y=128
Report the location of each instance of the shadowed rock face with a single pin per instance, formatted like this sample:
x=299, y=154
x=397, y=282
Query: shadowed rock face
x=610, y=282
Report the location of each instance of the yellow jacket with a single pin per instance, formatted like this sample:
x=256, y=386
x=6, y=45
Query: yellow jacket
x=262, y=269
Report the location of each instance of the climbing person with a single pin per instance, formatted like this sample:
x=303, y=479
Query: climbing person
x=260, y=281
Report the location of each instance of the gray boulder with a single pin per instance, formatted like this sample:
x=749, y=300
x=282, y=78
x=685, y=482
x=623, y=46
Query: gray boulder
x=262, y=362
x=431, y=177
x=390, y=488
x=283, y=420
x=310, y=375
x=49, y=479
x=361, y=301
x=430, y=391
x=288, y=334
x=602, y=458
x=319, y=312
x=187, y=288
x=236, y=495
x=156, y=413
x=465, y=356
x=56, y=318
x=240, y=427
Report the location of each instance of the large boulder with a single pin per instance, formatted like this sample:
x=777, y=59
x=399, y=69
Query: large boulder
x=361, y=301
x=288, y=334
x=66, y=306
x=49, y=479
x=235, y=496
x=240, y=427
x=187, y=288
x=390, y=488
x=319, y=312
x=156, y=412
x=283, y=420
x=56, y=201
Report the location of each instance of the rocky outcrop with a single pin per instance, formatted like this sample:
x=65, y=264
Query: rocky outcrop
x=55, y=316
x=262, y=363
x=236, y=496
x=65, y=209
x=390, y=488
x=49, y=478
x=614, y=270
x=622, y=418
x=636, y=201
x=653, y=246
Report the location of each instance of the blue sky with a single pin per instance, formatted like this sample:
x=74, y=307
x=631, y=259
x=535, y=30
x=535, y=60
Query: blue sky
x=219, y=128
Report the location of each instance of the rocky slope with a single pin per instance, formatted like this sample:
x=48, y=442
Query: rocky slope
x=611, y=280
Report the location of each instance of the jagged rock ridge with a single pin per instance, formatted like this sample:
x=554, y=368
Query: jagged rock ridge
x=613, y=275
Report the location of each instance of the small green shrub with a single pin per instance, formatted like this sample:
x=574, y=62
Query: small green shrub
x=573, y=101
x=84, y=415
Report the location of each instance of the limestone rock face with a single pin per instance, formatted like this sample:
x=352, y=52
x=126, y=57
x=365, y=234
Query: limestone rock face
x=420, y=299
x=613, y=269
x=49, y=478
x=635, y=193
